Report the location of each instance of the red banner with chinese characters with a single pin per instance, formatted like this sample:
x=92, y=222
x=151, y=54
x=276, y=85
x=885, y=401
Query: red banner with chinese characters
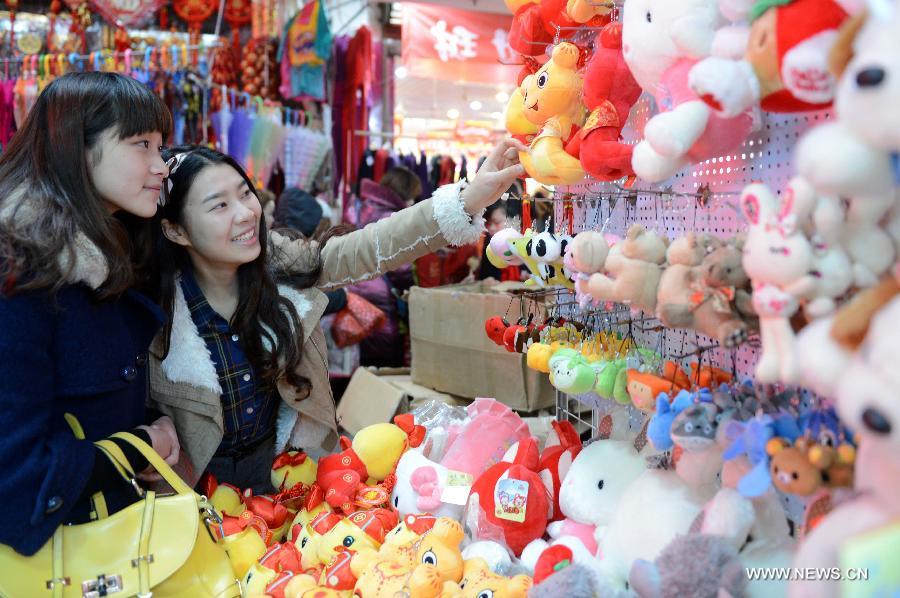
x=457, y=45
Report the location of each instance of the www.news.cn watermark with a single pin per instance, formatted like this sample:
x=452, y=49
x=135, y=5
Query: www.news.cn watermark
x=806, y=574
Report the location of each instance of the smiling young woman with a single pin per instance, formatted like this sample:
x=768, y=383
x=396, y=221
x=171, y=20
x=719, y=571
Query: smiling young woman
x=241, y=366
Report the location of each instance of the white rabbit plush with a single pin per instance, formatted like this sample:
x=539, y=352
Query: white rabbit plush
x=854, y=156
x=778, y=259
x=821, y=220
x=662, y=40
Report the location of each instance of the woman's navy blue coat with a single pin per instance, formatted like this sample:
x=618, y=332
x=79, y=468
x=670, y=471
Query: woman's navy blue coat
x=72, y=355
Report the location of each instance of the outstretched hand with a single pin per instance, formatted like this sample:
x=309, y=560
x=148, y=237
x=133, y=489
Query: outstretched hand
x=499, y=171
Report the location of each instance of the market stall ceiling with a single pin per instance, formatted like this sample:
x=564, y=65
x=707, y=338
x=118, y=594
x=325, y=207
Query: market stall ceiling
x=432, y=98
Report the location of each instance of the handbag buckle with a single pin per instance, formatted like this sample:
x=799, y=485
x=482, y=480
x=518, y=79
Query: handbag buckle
x=65, y=581
x=104, y=585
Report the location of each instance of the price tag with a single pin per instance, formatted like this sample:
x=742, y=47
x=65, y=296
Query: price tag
x=511, y=499
x=456, y=490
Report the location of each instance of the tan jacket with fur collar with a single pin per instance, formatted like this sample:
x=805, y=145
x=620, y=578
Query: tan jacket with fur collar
x=185, y=385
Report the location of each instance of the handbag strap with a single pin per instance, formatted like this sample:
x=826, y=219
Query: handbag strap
x=167, y=473
x=144, y=558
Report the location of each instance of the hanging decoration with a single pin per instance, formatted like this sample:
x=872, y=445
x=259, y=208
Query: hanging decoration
x=12, y=5
x=238, y=13
x=127, y=13
x=194, y=12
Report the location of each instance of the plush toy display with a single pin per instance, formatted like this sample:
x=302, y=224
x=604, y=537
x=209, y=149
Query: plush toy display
x=370, y=458
x=437, y=560
x=662, y=42
x=609, y=93
x=552, y=101
x=865, y=333
x=633, y=271
x=785, y=67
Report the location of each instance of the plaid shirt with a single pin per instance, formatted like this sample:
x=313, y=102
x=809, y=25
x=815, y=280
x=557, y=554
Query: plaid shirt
x=248, y=412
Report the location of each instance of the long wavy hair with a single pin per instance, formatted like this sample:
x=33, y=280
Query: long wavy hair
x=47, y=196
x=262, y=313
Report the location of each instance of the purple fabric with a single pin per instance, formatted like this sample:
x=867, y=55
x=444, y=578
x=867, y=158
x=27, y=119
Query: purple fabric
x=377, y=202
x=239, y=136
x=337, y=114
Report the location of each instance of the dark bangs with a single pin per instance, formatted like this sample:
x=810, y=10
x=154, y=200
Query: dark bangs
x=138, y=113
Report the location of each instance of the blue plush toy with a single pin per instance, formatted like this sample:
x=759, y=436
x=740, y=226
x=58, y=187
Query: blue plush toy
x=659, y=430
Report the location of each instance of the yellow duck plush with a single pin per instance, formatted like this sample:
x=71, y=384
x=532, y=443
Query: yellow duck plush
x=437, y=560
x=291, y=468
x=478, y=578
x=552, y=101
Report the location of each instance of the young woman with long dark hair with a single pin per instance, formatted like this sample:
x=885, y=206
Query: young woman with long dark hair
x=78, y=183
x=242, y=365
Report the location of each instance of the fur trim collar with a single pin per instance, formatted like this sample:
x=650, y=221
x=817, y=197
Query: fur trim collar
x=189, y=360
x=85, y=264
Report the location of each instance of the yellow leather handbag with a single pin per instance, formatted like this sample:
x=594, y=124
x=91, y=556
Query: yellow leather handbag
x=160, y=546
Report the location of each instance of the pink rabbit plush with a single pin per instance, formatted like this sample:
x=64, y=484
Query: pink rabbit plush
x=778, y=258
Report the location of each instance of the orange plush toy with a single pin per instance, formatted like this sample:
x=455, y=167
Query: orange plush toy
x=551, y=100
x=609, y=93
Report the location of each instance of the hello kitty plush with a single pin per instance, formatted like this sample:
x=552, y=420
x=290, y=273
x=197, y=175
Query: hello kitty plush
x=419, y=487
x=662, y=41
x=778, y=258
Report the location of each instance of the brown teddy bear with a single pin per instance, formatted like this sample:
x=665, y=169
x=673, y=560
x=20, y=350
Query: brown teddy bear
x=712, y=298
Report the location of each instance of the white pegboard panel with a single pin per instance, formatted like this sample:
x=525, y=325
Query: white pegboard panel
x=766, y=156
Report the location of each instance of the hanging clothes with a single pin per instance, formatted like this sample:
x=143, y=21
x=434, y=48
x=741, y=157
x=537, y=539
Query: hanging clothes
x=422, y=171
x=7, y=112
x=357, y=88
x=303, y=52
x=338, y=133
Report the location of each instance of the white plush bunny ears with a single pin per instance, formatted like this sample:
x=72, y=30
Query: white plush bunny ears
x=760, y=206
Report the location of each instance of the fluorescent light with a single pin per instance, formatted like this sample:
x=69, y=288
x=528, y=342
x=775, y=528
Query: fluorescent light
x=401, y=72
x=453, y=114
x=497, y=115
x=502, y=97
x=475, y=105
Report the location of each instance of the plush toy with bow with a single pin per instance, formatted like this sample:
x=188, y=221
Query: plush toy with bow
x=785, y=67
x=420, y=485
x=291, y=468
x=778, y=258
x=609, y=93
x=662, y=42
x=712, y=297
x=345, y=478
x=552, y=101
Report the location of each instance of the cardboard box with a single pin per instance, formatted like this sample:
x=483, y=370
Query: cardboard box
x=376, y=395
x=451, y=352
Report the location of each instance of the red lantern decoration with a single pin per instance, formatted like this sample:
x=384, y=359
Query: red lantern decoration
x=238, y=13
x=194, y=12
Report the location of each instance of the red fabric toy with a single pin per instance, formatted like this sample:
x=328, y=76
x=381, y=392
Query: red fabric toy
x=516, y=534
x=557, y=458
x=527, y=35
x=553, y=559
x=609, y=93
